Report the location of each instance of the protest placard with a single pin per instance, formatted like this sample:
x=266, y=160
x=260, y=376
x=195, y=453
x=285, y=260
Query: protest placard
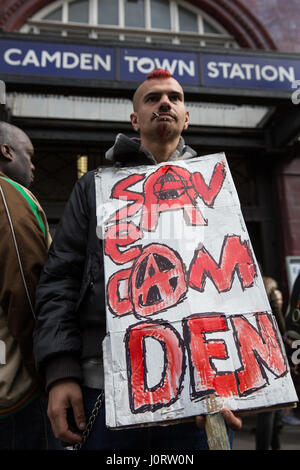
x=189, y=325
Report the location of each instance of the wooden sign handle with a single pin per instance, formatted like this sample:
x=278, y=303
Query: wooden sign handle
x=216, y=432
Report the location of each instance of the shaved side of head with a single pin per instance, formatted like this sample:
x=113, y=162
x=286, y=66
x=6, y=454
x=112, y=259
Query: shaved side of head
x=16, y=152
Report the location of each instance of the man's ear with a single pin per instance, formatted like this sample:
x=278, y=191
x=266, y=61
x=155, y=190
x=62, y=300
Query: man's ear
x=6, y=152
x=187, y=120
x=134, y=121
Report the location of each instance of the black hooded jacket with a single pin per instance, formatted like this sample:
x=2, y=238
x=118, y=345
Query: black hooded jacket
x=70, y=298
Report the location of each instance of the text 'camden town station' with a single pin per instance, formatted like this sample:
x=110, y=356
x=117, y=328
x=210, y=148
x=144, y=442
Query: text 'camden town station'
x=51, y=59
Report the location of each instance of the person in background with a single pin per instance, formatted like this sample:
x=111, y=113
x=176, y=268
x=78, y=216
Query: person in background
x=292, y=343
x=268, y=424
x=23, y=249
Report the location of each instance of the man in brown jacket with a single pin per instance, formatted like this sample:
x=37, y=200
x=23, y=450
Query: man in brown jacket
x=23, y=248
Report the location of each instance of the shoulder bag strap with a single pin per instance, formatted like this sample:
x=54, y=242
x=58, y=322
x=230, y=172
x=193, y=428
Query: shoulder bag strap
x=17, y=250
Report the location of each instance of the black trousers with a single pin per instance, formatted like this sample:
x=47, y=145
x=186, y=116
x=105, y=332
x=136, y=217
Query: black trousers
x=268, y=430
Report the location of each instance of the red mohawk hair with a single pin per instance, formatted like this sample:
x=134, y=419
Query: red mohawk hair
x=159, y=74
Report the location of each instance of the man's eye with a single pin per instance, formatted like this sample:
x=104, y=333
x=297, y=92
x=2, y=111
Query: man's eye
x=175, y=98
x=151, y=99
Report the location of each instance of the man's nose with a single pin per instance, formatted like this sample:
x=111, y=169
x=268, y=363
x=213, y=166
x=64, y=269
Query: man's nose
x=165, y=103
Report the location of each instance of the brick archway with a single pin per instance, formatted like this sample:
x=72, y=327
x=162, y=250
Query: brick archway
x=238, y=20
x=235, y=17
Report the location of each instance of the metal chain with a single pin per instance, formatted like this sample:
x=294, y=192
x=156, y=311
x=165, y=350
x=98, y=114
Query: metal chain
x=92, y=419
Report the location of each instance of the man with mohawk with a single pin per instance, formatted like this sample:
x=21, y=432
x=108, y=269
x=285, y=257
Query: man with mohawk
x=69, y=327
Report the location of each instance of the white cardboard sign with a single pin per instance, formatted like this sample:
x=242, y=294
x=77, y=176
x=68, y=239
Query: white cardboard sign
x=189, y=325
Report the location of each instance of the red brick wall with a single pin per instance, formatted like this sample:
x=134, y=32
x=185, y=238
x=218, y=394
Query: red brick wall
x=278, y=19
x=237, y=19
x=281, y=18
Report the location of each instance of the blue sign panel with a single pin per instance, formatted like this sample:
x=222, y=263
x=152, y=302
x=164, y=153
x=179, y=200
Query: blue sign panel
x=238, y=71
x=57, y=60
x=42, y=59
x=135, y=64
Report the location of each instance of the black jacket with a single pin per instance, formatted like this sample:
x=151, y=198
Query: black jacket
x=70, y=298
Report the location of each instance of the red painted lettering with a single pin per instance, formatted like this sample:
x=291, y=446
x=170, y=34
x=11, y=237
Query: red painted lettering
x=236, y=257
x=158, y=280
x=120, y=191
x=259, y=348
x=122, y=234
x=142, y=397
x=201, y=351
x=210, y=192
x=169, y=188
x=118, y=302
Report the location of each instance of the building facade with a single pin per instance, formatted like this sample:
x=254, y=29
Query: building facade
x=70, y=68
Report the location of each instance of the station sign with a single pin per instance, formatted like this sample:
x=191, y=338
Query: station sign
x=93, y=62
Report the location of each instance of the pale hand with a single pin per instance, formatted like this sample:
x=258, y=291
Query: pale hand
x=232, y=421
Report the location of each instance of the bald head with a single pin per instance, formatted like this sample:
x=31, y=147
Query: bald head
x=6, y=132
x=16, y=152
